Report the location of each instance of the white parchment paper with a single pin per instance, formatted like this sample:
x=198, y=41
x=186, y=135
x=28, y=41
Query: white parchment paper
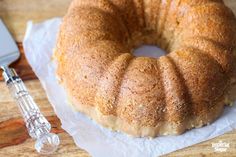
x=98, y=141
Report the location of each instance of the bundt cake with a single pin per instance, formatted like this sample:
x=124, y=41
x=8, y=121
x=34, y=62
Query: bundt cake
x=144, y=96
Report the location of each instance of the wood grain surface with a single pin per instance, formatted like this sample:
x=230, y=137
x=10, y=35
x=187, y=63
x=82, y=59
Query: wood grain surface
x=14, y=140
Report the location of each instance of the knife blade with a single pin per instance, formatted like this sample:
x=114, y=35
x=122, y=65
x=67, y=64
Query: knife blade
x=9, y=51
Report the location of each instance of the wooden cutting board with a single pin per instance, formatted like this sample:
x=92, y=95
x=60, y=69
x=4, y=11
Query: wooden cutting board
x=14, y=140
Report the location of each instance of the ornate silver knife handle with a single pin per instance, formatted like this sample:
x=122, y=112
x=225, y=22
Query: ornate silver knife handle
x=37, y=125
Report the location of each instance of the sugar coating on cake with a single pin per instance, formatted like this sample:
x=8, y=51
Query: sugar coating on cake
x=144, y=96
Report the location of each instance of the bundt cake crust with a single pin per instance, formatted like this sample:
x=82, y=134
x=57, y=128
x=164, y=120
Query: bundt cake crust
x=163, y=128
x=145, y=96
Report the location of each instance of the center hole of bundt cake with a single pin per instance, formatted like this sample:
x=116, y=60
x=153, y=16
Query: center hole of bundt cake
x=149, y=51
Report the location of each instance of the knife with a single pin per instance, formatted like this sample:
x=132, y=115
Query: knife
x=37, y=125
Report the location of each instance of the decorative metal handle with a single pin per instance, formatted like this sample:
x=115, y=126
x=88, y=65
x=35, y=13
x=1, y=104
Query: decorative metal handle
x=37, y=125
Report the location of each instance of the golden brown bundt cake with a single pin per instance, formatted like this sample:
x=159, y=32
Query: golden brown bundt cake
x=144, y=96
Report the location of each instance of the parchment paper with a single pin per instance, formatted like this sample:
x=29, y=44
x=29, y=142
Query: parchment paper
x=98, y=141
